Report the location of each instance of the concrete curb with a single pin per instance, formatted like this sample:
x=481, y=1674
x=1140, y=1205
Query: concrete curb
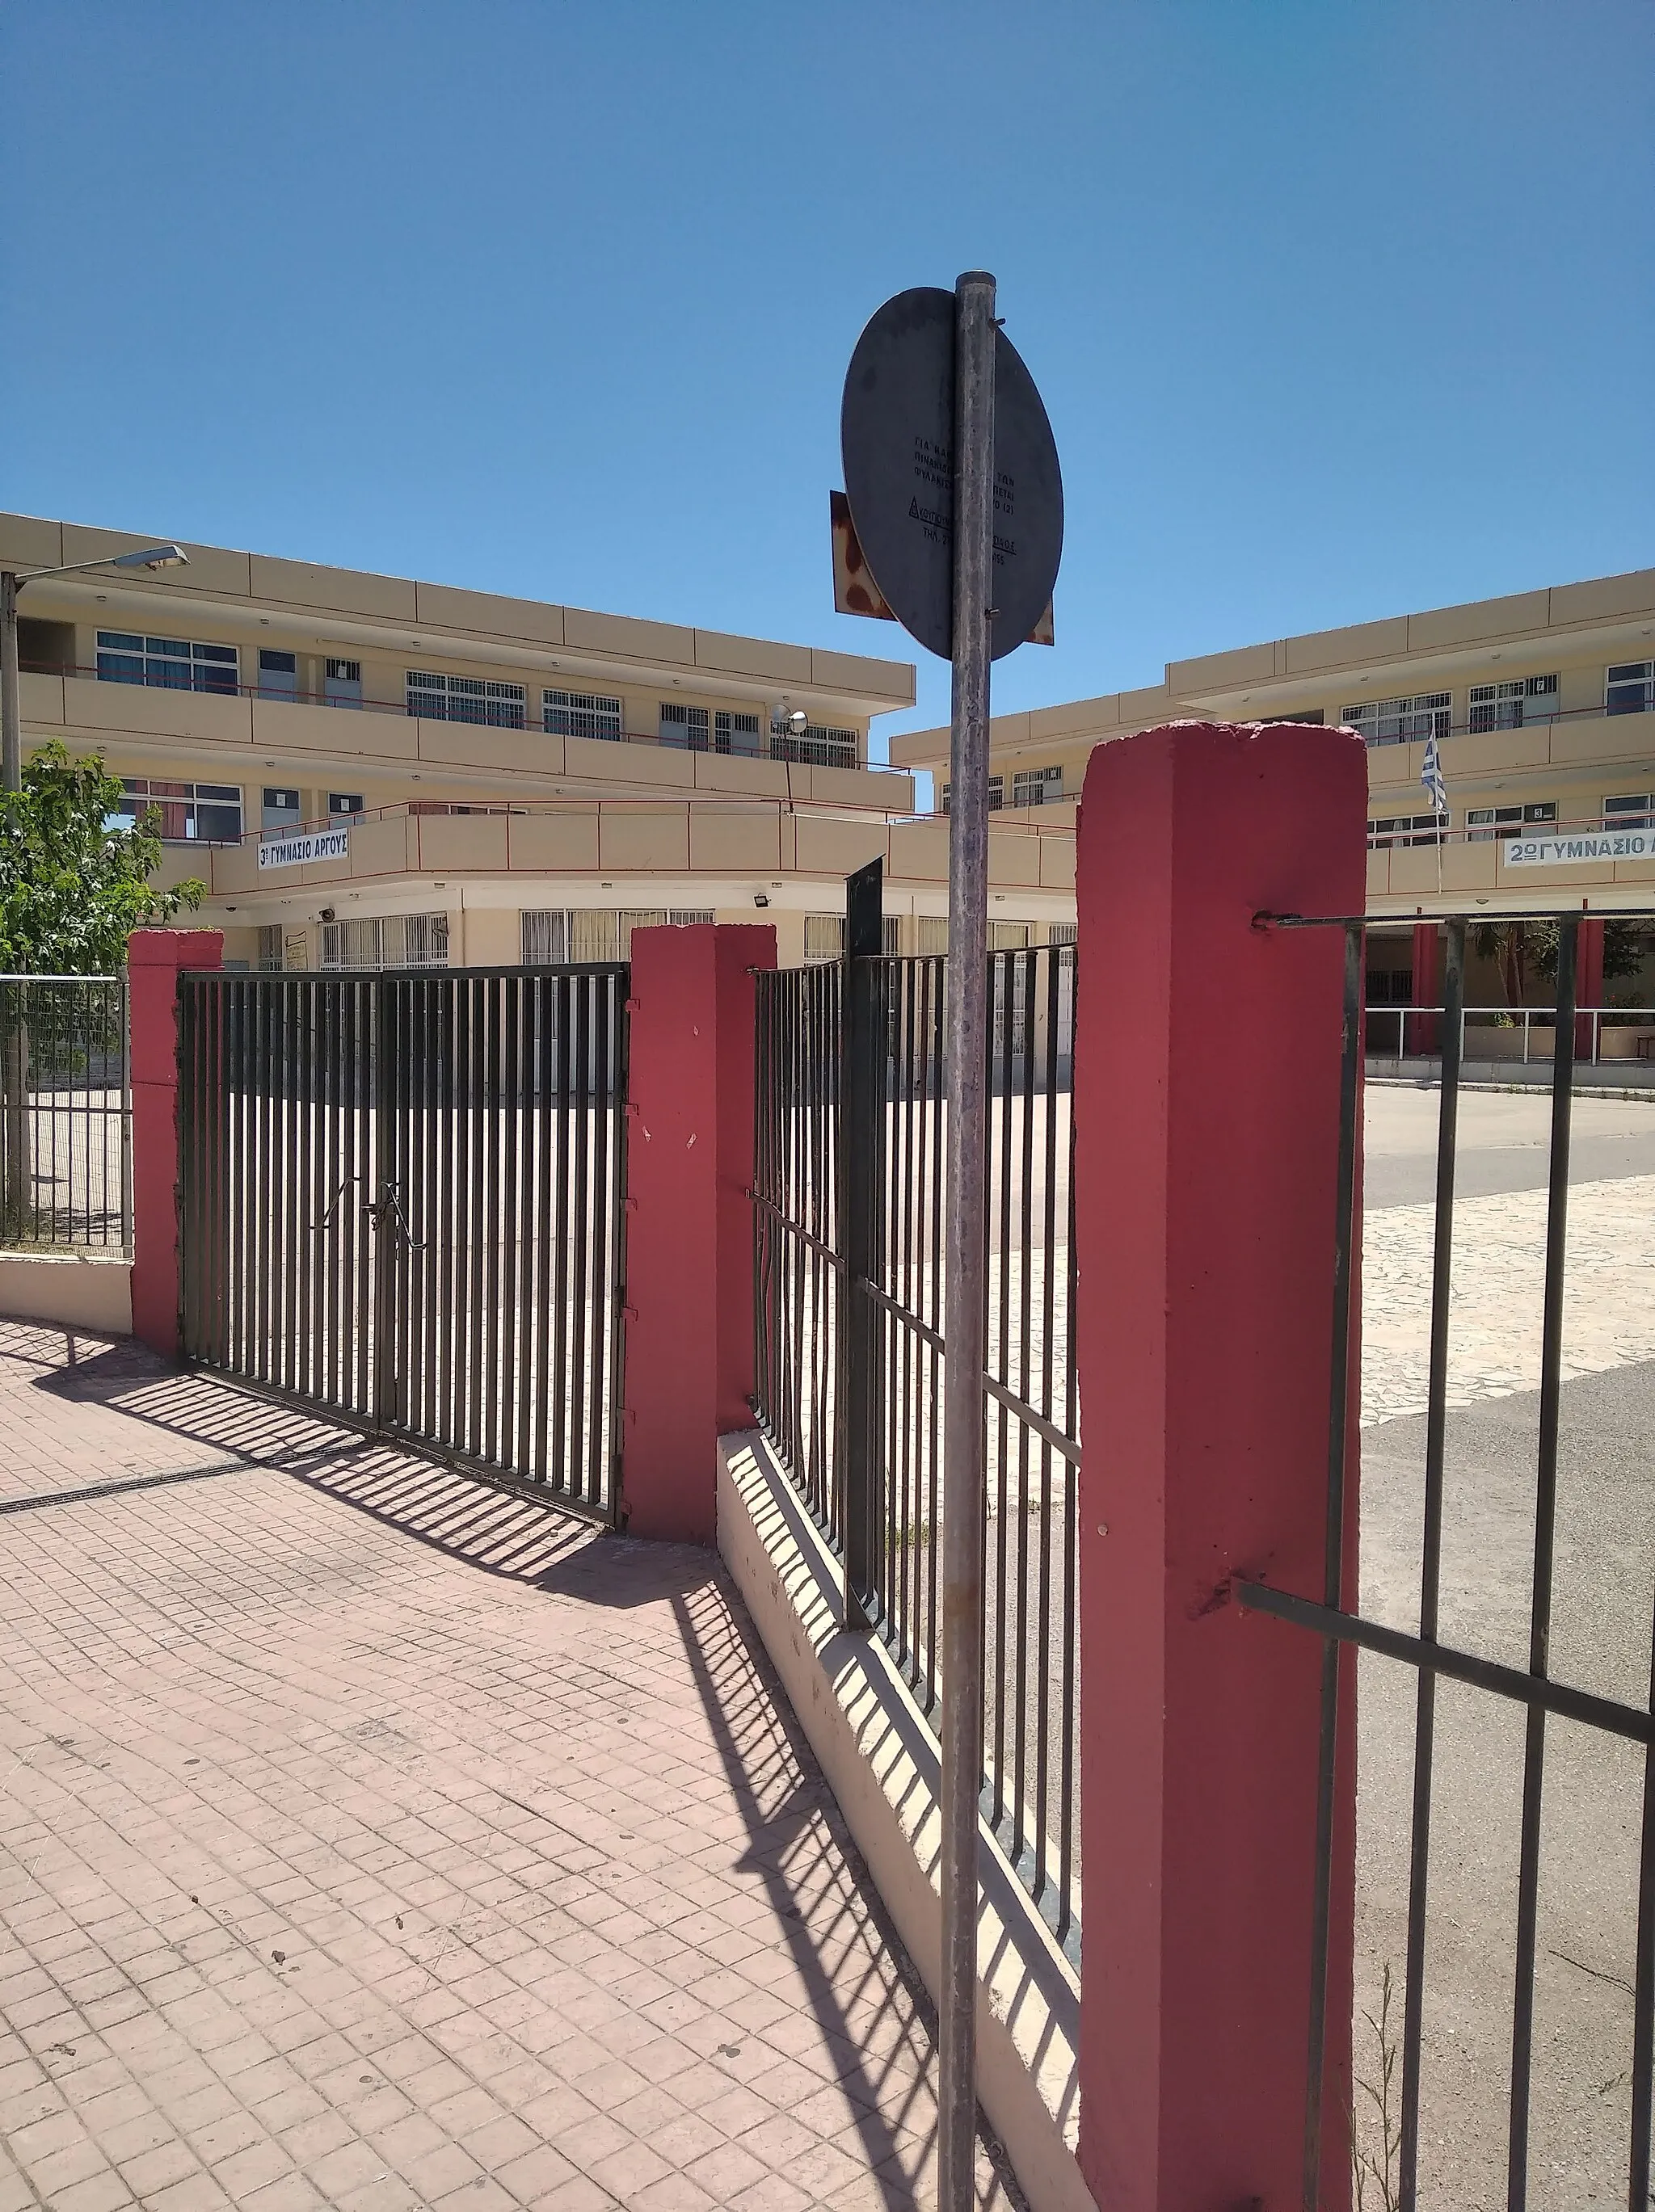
x=73, y=1290
x=882, y=1763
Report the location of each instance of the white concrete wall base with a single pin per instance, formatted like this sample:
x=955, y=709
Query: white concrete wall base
x=80, y=1290
x=882, y=1764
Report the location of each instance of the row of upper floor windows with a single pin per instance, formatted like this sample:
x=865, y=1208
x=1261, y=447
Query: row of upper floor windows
x=183, y=813
x=184, y=665
x=1508, y=703
x=1030, y=786
x=1624, y=810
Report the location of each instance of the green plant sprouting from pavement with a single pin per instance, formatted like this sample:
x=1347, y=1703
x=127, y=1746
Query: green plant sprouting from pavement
x=1367, y=2165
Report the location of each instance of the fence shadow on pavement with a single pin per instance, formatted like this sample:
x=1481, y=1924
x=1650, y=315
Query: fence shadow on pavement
x=877, y=2021
x=495, y=1530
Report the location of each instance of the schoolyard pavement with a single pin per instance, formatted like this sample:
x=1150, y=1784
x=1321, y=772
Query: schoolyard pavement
x=371, y=1839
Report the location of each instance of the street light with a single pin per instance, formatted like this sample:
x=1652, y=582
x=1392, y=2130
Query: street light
x=12, y=582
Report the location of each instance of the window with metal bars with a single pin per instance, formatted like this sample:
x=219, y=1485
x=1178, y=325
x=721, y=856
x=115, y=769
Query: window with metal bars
x=1037, y=786
x=682, y=726
x=825, y=937
x=817, y=746
x=549, y=936
x=1401, y=721
x=1508, y=704
x=735, y=733
x=581, y=715
x=342, y=683
x=996, y=795
x=486, y=699
x=166, y=664
x=391, y=940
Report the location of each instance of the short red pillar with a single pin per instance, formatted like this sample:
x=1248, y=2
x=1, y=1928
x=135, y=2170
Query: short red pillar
x=689, y=1252
x=154, y=958
x=1424, y=1031
x=1205, y=1185
x=1588, y=987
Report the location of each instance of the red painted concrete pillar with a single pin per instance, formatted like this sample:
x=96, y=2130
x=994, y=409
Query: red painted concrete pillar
x=1424, y=1031
x=1204, y=1180
x=689, y=1254
x=1588, y=984
x=154, y=959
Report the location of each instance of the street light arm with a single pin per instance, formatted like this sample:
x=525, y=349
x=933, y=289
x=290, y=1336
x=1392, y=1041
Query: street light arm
x=152, y=557
x=12, y=582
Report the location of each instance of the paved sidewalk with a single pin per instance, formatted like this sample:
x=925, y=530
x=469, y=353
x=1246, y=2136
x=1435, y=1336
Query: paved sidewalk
x=368, y=1839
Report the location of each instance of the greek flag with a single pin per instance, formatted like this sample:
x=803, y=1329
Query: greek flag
x=1431, y=775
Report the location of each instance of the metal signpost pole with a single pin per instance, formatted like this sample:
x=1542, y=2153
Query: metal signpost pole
x=954, y=500
x=966, y=1262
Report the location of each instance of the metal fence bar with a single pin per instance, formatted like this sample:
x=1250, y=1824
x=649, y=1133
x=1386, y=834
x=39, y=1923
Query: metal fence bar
x=1431, y=1568
x=1534, y=1759
x=1334, y=1546
x=863, y=1239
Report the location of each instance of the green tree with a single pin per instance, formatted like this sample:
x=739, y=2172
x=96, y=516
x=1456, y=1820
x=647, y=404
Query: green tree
x=1524, y=949
x=72, y=888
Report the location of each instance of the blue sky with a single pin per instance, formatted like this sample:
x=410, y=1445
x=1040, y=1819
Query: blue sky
x=1338, y=309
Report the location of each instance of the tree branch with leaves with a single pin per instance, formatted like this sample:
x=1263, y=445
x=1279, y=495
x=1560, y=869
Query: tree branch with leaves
x=74, y=875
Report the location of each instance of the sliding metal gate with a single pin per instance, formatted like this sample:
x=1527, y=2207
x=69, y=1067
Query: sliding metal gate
x=403, y=1200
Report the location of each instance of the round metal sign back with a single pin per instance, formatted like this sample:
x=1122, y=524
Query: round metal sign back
x=897, y=436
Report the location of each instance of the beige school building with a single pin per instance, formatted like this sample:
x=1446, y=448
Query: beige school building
x=369, y=770
x=1542, y=706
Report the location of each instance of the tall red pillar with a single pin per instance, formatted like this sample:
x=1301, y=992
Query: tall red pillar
x=154, y=959
x=689, y=1254
x=1424, y=1031
x=1588, y=984
x=1205, y=1219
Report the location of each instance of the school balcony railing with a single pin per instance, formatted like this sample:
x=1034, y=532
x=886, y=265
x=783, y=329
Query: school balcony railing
x=815, y=748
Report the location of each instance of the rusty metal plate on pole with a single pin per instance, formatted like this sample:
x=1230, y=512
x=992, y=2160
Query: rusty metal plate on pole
x=897, y=436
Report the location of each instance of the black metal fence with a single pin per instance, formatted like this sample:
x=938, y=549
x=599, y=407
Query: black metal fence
x=851, y=1133
x=65, y=1112
x=403, y=1199
x=1550, y=1703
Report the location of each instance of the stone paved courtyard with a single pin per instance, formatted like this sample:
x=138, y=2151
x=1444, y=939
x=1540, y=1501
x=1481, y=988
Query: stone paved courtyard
x=371, y=1841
